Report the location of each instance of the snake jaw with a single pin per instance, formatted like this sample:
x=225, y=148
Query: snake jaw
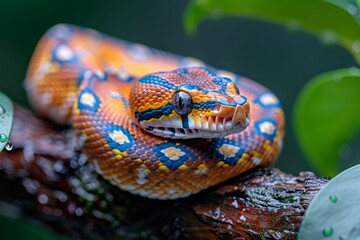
x=225, y=120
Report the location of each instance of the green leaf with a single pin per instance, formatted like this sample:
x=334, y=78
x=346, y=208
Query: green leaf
x=327, y=116
x=351, y=6
x=330, y=20
x=6, y=121
x=334, y=211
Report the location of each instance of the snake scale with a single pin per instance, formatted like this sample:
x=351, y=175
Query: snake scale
x=153, y=123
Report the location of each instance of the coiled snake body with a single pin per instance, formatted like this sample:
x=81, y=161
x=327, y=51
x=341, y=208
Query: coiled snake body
x=152, y=123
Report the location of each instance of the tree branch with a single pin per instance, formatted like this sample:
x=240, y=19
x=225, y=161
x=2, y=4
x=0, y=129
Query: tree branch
x=47, y=176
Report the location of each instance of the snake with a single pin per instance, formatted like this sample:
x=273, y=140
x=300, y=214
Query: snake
x=153, y=123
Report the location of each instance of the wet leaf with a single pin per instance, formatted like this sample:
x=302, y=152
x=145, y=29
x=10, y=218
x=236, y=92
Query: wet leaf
x=331, y=20
x=349, y=5
x=327, y=116
x=334, y=211
x=6, y=121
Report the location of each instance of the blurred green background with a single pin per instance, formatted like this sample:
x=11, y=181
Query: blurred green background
x=279, y=58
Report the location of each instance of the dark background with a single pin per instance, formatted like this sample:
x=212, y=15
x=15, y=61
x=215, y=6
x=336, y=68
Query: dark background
x=278, y=58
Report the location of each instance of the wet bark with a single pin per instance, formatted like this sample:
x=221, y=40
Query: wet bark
x=48, y=178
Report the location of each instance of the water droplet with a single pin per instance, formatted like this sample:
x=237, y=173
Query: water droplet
x=333, y=198
x=293, y=25
x=356, y=46
x=79, y=211
x=328, y=37
x=2, y=110
x=337, y=77
x=202, y=3
x=352, y=9
x=3, y=137
x=9, y=146
x=43, y=199
x=327, y=232
x=103, y=204
x=216, y=14
x=354, y=70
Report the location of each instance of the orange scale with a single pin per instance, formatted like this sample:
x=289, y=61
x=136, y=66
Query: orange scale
x=154, y=168
x=148, y=163
x=107, y=154
x=128, y=161
x=133, y=166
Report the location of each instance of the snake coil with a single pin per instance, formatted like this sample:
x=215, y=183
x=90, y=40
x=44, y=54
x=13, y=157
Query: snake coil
x=152, y=123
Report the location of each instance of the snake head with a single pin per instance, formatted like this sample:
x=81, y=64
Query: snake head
x=188, y=103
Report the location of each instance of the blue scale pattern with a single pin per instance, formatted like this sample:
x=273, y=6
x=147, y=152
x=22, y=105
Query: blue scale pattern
x=156, y=81
x=259, y=132
x=272, y=105
x=222, y=82
x=173, y=164
x=154, y=113
x=125, y=145
x=207, y=105
x=191, y=87
x=167, y=109
x=83, y=106
x=217, y=143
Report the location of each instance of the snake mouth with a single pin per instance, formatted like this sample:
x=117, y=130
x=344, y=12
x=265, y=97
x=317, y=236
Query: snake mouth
x=225, y=120
x=185, y=133
x=197, y=127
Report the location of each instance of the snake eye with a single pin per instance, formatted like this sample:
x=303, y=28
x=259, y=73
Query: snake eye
x=182, y=103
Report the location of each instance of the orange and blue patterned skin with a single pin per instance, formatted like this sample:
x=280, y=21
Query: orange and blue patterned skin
x=153, y=123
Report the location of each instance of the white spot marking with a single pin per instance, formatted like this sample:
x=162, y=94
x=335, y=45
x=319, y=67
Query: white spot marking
x=64, y=53
x=268, y=99
x=228, y=150
x=87, y=99
x=119, y=137
x=267, y=128
x=173, y=153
